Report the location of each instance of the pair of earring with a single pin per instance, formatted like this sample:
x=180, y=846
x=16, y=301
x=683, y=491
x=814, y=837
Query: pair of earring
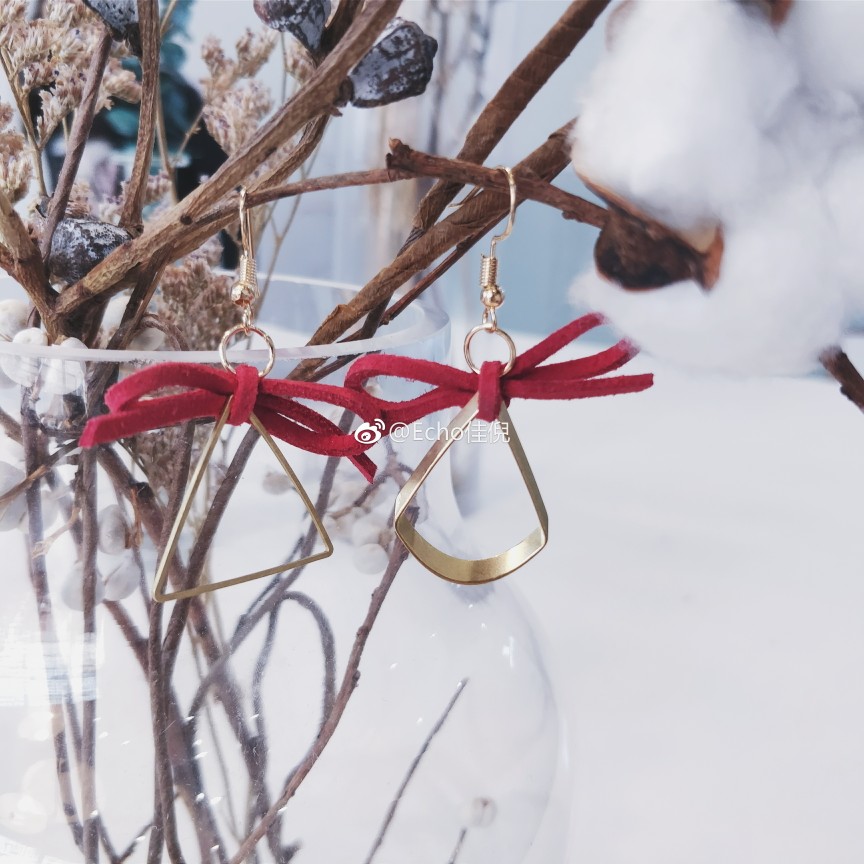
x=272, y=407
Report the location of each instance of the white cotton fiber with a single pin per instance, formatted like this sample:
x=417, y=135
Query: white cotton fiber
x=675, y=115
x=843, y=192
x=772, y=311
x=826, y=36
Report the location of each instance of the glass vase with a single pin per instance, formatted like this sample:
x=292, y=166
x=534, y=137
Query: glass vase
x=349, y=710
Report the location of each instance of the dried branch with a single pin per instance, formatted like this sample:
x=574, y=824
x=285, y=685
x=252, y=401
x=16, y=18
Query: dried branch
x=148, y=18
x=514, y=95
x=77, y=139
x=87, y=763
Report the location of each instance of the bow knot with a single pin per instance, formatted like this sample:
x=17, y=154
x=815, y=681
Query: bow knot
x=489, y=390
x=526, y=379
x=134, y=407
x=245, y=395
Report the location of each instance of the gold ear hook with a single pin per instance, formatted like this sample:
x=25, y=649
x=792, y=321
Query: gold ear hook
x=245, y=291
x=491, y=293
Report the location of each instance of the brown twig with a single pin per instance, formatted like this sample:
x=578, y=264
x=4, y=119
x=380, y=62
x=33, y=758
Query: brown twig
x=350, y=680
x=148, y=19
x=21, y=259
x=514, y=95
x=843, y=370
x=528, y=186
x=84, y=115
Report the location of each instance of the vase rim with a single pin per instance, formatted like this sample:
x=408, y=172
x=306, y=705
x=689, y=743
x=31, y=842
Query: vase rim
x=420, y=321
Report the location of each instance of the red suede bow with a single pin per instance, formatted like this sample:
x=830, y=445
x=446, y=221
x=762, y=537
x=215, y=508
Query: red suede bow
x=570, y=379
x=273, y=401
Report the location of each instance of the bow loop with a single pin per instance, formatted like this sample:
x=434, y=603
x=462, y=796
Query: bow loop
x=134, y=407
x=527, y=379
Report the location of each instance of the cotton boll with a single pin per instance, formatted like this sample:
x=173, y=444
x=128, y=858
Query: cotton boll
x=21, y=369
x=61, y=377
x=13, y=318
x=122, y=579
x=370, y=559
x=777, y=305
x=826, y=38
x=12, y=511
x=844, y=195
x=72, y=589
x=368, y=529
x=675, y=115
x=113, y=533
x=147, y=339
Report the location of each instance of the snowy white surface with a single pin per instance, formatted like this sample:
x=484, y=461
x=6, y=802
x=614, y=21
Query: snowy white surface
x=701, y=601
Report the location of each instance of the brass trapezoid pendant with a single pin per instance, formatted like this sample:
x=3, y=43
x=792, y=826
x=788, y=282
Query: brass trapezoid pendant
x=467, y=571
x=159, y=592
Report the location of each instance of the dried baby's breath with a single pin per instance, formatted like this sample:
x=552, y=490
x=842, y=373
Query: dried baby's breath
x=234, y=116
x=253, y=50
x=16, y=167
x=197, y=300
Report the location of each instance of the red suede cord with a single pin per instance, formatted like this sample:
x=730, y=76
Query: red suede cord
x=569, y=379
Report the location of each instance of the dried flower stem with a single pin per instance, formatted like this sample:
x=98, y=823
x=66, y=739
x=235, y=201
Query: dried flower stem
x=148, y=18
x=350, y=679
x=77, y=139
x=412, y=769
x=26, y=119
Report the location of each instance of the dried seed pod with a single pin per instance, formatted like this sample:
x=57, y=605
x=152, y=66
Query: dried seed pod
x=121, y=16
x=79, y=245
x=13, y=318
x=303, y=19
x=123, y=579
x=399, y=65
x=113, y=533
x=12, y=511
x=72, y=589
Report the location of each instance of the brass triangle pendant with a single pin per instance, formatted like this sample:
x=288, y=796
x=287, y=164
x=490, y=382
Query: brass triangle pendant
x=159, y=592
x=462, y=570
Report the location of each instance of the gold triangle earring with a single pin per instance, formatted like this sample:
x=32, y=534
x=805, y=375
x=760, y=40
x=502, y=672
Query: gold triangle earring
x=244, y=294
x=465, y=570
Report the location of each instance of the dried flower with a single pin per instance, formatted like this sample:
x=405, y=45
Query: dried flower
x=234, y=116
